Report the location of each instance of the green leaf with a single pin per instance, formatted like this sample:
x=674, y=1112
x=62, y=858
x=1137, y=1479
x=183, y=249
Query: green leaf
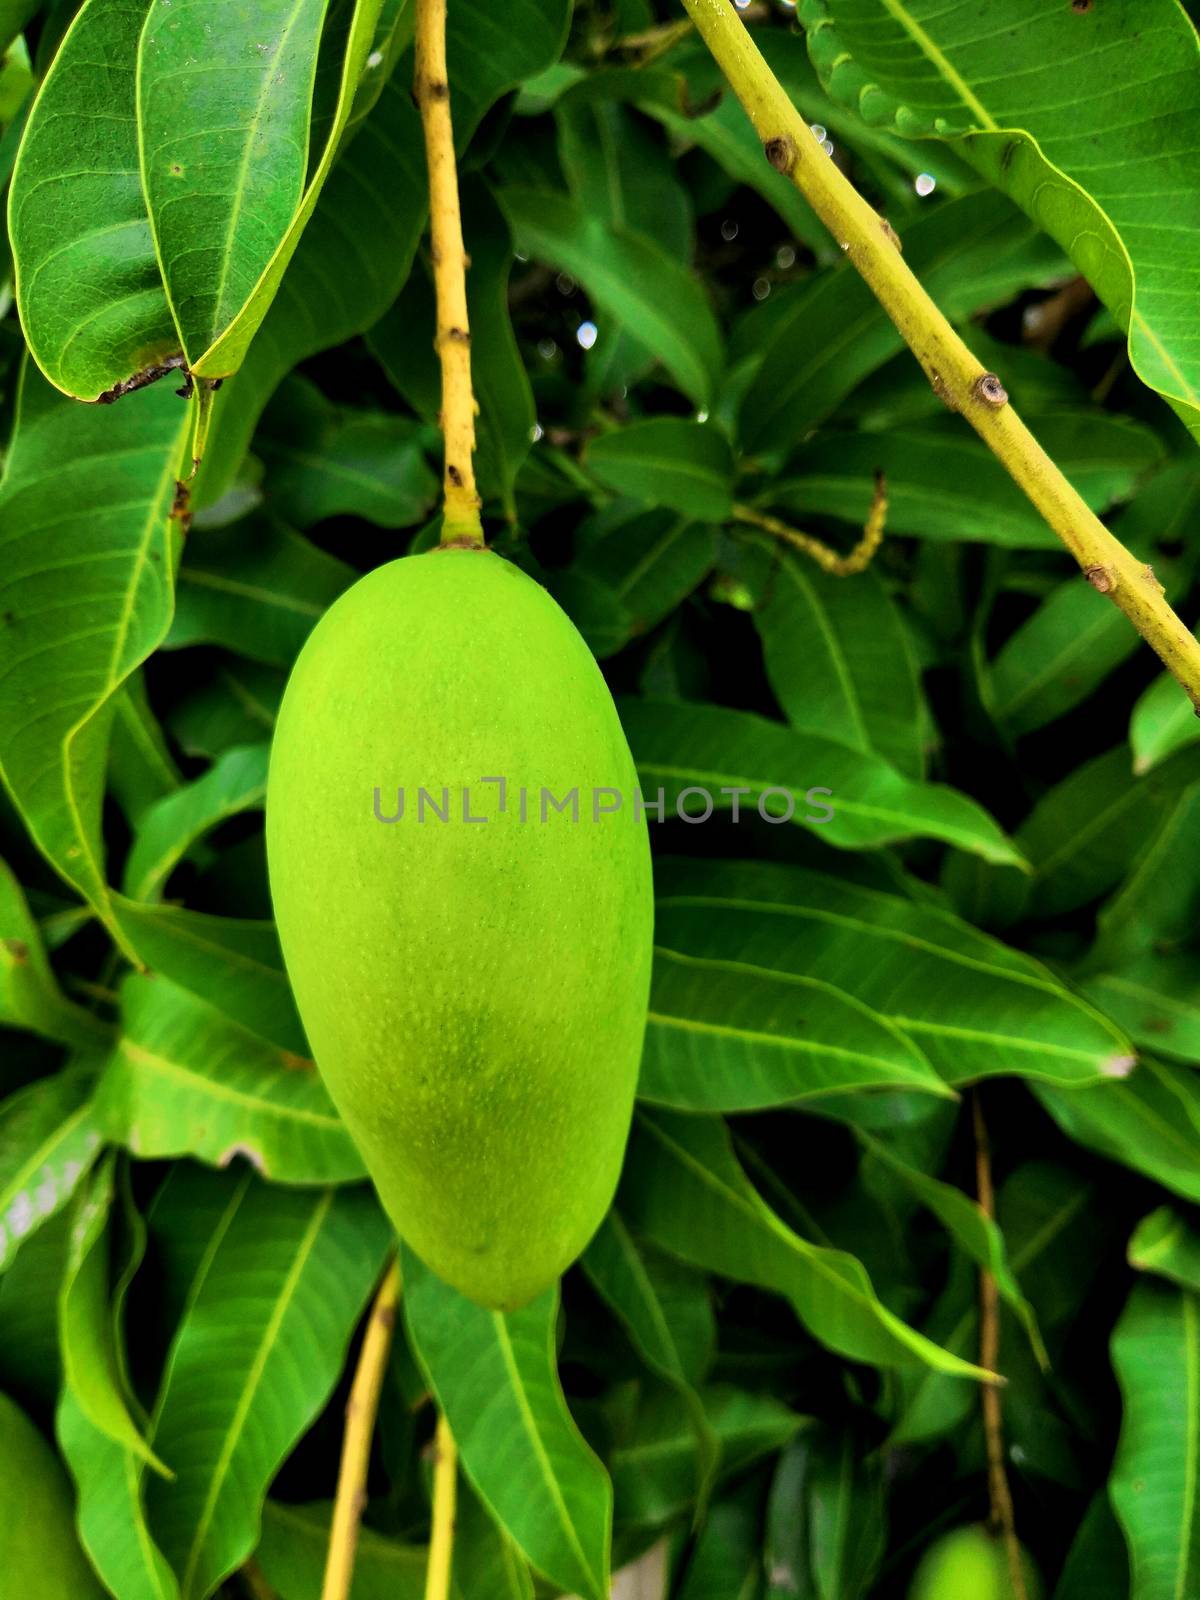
x=831, y=333
x=322, y=462
x=141, y=768
x=29, y=993
x=942, y=483
x=1156, y=998
x=108, y=1474
x=42, y=1554
x=1163, y=721
x=487, y=1564
x=88, y=287
x=1167, y=1243
x=223, y=160
x=974, y=1006
x=654, y=1469
x=293, y=1545
x=236, y=705
x=683, y=1188
x=48, y=1139
x=665, y=461
x=839, y=657
x=726, y=1561
x=269, y=1313
x=1154, y=909
x=665, y=1310
x=1097, y=1566
x=235, y=965
x=85, y=507
x=1150, y=1122
x=256, y=588
x=91, y=1368
x=496, y=1381
x=724, y=1035
x=185, y=1081
x=629, y=277
x=1156, y=1357
x=968, y=1224
x=236, y=782
x=489, y=53
x=1083, y=153
x=348, y=268
x=717, y=751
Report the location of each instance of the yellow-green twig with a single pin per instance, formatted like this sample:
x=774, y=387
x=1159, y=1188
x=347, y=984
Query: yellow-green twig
x=828, y=559
x=952, y=369
x=361, y=1410
x=431, y=87
x=441, y=1538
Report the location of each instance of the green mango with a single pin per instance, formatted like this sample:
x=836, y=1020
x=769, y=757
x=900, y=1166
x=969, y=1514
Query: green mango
x=474, y=991
x=40, y=1553
x=970, y=1564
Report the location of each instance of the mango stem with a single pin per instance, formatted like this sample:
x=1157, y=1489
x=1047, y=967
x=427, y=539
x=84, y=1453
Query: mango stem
x=361, y=1410
x=431, y=89
x=441, y=1538
x=954, y=372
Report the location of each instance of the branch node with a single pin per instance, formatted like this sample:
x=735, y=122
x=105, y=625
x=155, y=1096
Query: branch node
x=942, y=389
x=781, y=153
x=890, y=234
x=1101, y=579
x=988, y=389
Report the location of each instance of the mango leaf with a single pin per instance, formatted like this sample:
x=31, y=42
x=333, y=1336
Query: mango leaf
x=629, y=277
x=667, y=461
x=496, y=1381
x=654, y=1470
x=487, y=1564
x=665, y=1310
x=294, y=1542
x=1168, y=1244
x=684, y=1189
x=1084, y=163
x=223, y=165
x=1150, y=1122
x=236, y=705
x=726, y=1560
x=183, y=1080
x=235, y=783
x=91, y=1368
x=355, y=254
x=968, y=1224
x=232, y=963
x=42, y=1553
x=728, y=757
x=48, y=1139
x=141, y=768
x=324, y=463
x=831, y=333
x=723, y=1035
x=1097, y=1564
x=943, y=483
x=109, y=1474
x=1160, y=725
x=1156, y=1357
x=29, y=993
x=972, y=1005
x=85, y=504
x=269, y=1313
x=632, y=568
x=839, y=656
x=1154, y=908
x=348, y=268
x=826, y=1518
x=88, y=286
x=1156, y=998
x=256, y=588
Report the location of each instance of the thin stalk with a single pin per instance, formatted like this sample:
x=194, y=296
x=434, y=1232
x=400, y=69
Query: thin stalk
x=361, y=1410
x=1002, y=1520
x=431, y=89
x=441, y=1538
x=954, y=372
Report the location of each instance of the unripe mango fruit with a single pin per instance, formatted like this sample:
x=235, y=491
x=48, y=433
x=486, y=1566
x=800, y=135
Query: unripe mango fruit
x=40, y=1553
x=474, y=992
x=970, y=1564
